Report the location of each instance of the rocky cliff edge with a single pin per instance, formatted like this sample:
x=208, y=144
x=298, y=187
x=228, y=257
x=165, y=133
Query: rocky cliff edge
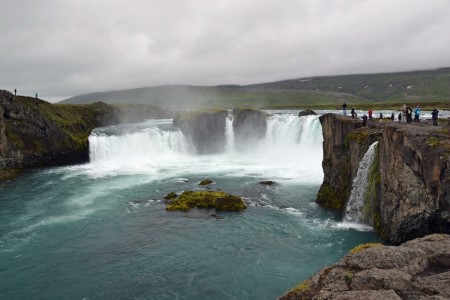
x=418, y=269
x=409, y=188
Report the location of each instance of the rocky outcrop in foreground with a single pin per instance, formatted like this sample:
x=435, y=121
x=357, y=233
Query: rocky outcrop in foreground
x=205, y=130
x=408, y=189
x=418, y=269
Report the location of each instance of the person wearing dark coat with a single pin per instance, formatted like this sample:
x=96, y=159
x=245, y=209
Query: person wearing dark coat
x=400, y=117
x=364, y=118
x=392, y=117
x=344, y=109
x=434, y=116
x=353, y=112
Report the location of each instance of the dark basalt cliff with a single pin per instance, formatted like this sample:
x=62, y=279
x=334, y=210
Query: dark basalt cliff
x=409, y=189
x=35, y=133
x=205, y=130
x=418, y=269
x=249, y=125
x=345, y=143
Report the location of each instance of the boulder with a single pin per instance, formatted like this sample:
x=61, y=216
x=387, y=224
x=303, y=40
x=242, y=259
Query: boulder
x=306, y=112
x=205, y=130
x=205, y=182
x=267, y=182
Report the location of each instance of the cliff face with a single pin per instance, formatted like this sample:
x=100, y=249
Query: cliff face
x=36, y=133
x=415, y=182
x=345, y=143
x=249, y=125
x=205, y=130
x=418, y=269
x=409, y=182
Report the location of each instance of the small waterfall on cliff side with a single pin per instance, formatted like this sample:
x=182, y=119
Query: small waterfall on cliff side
x=355, y=204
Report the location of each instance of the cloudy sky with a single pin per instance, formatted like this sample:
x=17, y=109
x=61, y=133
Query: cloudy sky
x=62, y=48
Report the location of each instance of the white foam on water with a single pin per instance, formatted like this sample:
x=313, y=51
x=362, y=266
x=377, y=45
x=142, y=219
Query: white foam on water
x=291, y=150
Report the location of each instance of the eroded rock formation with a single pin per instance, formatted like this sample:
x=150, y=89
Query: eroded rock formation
x=409, y=184
x=418, y=269
x=345, y=143
x=205, y=130
x=249, y=125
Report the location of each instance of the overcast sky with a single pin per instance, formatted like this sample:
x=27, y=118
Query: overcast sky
x=62, y=48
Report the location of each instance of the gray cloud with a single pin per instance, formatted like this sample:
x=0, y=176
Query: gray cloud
x=61, y=48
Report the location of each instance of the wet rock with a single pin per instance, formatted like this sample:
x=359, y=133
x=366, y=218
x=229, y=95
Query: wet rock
x=249, y=125
x=267, y=182
x=205, y=182
x=205, y=130
x=306, y=112
x=170, y=195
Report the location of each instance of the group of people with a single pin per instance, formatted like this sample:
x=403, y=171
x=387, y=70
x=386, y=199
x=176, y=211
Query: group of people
x=405, y=114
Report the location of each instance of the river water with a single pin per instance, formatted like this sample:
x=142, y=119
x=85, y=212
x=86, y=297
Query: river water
x=100, y=230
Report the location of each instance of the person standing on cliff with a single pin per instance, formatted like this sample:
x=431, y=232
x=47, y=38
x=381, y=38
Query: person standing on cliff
x=15, y=92
x=353, y=112
x=364, y=118
x=434, y=116
x=344, y=109
x=392, y=117
x=404, y=110
x=381, y=117
x=400, y=117
x=416, y=114
x=370, y=114
x=409, y=114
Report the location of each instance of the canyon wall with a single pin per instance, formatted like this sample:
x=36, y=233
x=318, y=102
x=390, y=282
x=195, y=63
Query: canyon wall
x=409, y=183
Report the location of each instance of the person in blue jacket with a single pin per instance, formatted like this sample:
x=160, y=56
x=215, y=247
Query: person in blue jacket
x=417, y=114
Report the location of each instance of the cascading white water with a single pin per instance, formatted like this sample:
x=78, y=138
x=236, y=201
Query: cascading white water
x=291, y=148
x=229, y=134
x=355, y=204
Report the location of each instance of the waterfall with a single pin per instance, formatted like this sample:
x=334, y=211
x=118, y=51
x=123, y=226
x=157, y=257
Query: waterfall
x=291, y=148
x=355, y=204
x=141, y=144
x=229, y=134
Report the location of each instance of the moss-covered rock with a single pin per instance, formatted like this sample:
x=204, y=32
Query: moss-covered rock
x=205, y=182
x=206, y=199
x=361, y=247
x=170, y=195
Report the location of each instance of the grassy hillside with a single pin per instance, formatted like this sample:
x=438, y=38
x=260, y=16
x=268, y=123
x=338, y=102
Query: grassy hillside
x=330, y=91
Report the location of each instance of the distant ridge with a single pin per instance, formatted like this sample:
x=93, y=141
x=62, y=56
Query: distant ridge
x=426, y=85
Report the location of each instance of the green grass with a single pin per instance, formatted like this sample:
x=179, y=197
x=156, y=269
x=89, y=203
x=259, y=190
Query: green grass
x=377, y=91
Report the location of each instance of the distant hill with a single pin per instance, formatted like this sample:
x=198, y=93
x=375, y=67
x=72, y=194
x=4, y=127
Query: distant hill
x=416, y=86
